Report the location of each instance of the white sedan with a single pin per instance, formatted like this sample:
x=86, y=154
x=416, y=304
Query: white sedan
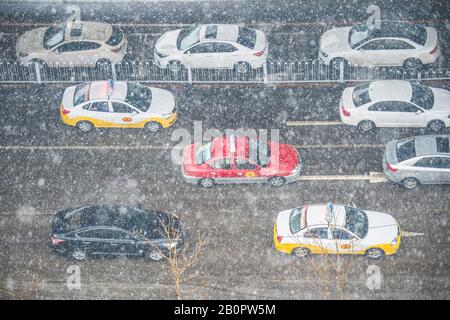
x=212, y=46
x=83, y=44
x=395, y=103
x=394, y=44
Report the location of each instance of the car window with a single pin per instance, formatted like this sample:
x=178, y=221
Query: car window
x=387, y=44
x=188, y=37
x=445, y=163
x=116, y=36
x=318, y=233
x=430, y=162
x=246, y=37
x=245, y=164
x=356, y=221
x=81, y=93
x=224, y=47
x=101, y=106
x=406, y=149
x=224, y=163
x=386, y=106
x=422, y=96
x=340, y=234
x=207, y=47
x=361, y=95
x=407, y=107
x=121, y=108
x=104, y=234
x=138, y=96
x=442, y=144
x=54, y=35
x=211, y=31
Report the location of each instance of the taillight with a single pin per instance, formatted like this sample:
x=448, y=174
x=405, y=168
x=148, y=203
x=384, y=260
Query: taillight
x=391, y=169
x=345, y=112
x=116, y=50
x=259, y=53
x=434, y=50
x=56, y=241
x=279, y=238
x=65, y=111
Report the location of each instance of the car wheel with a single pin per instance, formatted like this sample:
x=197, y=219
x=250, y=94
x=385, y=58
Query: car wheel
x=153, y=126
x=410, y=183
x=374, y=253
x=174, y=66
x=277, y=181
x=85, y=126
x=436, y=125
x=301, y=252
x=336, y=63
x=366, y=126
x=78, y=254
x=155, y=255
x=242, y=67
x=206, y=183
x=413, y=64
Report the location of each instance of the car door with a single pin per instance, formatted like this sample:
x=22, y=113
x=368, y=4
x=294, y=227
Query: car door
x=409, y=115
x=121, y=243
x=93, y=241
x=445, y=165
x=225, y=55
x=432, y=169
x=77, y=53
x=222, y=169
x=201, y=55
x=100, y=113
x=384, y=113
x=384, y=52
x=126, y=116
x=345, y=242
x=247, y=171
x=318, y=240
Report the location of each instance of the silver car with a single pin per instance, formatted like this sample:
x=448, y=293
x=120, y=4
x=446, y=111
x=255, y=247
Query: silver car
x=418, y=160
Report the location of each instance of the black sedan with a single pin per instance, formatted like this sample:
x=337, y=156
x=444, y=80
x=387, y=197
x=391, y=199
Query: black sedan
x=115, y=230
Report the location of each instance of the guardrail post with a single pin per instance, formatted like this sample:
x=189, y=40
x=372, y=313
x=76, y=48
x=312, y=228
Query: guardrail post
x=341, y=72
x=113, y=71
x=38, y=72
x=265, y=72
x=419, y=76
x=189, y=74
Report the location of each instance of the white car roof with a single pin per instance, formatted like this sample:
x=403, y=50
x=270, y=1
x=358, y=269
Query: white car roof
x=103, y=89
x=316, y=215
x=96, y=31
x=390, y=90
x=225, y=32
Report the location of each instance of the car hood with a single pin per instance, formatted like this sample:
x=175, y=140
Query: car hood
x=335, y=40
x=282, y=224
x=441, y=100
x=31, y=41
x=167, y=43
x=163, y=102
x=383, y=228
x=67, y=100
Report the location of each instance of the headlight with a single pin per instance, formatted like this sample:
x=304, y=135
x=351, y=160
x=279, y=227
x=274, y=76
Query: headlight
x=161, y=55
x=170, y=245
x=23, y=54
x=167, y=115
x=323, y=53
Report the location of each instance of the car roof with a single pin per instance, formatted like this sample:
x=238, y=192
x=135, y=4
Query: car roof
x=230, y=146
x=102, y=89
x=432, y=145
x=316, y=215
x=222, y=32
x=97, y=31
x=390, y=90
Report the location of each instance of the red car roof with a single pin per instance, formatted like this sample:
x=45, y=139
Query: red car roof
x=230, y=145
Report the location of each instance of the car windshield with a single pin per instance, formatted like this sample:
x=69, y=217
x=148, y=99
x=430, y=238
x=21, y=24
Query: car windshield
x=358, y=34
x=203, y=153
x=246, y=37
x=188, y=37
x=406, y=149
x=295, y=220
x=356, y=221
x=422, y=96
x=361, y=95
x=139, y=96
x=54, y=35
x=259, y=152
x=81, y=93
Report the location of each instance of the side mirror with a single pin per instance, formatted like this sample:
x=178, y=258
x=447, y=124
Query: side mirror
x=187, y=52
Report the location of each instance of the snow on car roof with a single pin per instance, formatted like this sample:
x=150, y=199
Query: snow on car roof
x=225, y=32
x=432, y=144
x=390, y=90
x=317, y=215
x=230, y=145
x=97, y=31
x=102, y=89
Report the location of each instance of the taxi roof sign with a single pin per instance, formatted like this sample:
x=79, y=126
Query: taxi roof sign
x=330, y=212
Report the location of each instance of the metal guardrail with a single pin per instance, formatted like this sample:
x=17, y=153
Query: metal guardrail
x=271, y=73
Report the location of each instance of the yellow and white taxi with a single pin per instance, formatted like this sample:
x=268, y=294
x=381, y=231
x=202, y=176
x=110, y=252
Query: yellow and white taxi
x=336, y=229
x=117, y=104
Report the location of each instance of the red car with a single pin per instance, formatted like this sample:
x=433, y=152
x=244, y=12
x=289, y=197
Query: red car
x=232, y=159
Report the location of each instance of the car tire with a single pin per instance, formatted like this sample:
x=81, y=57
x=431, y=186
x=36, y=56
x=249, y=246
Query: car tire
x=153, y=126
x=277, y=181
x=374, y=253
x=301, y=252
x=78, y=254
x=413, y=64
x=242, y=67
x=436, y=126
x=336, y=63
x=410, y=183
x=174, y=66
x=85, y=126
x=206, y=183
x=365, y=126
x=155, y=255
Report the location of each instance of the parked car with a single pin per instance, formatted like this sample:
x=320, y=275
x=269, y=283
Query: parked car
x=115, y=230
x=395, y=103
x=233, y=159
x=336, y=229
x=394, y=44
x=117, y=104
x=212, y=46
x=84, y=44
x=418, y=160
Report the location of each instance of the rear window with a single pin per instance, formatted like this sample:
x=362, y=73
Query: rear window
x=246, y=37
x=297, y=219
x=116, y=37
x=406, y=149
x=422, y=96
x=442, y=144
x=81, y=93
x=361, y=95
x=211, y=31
